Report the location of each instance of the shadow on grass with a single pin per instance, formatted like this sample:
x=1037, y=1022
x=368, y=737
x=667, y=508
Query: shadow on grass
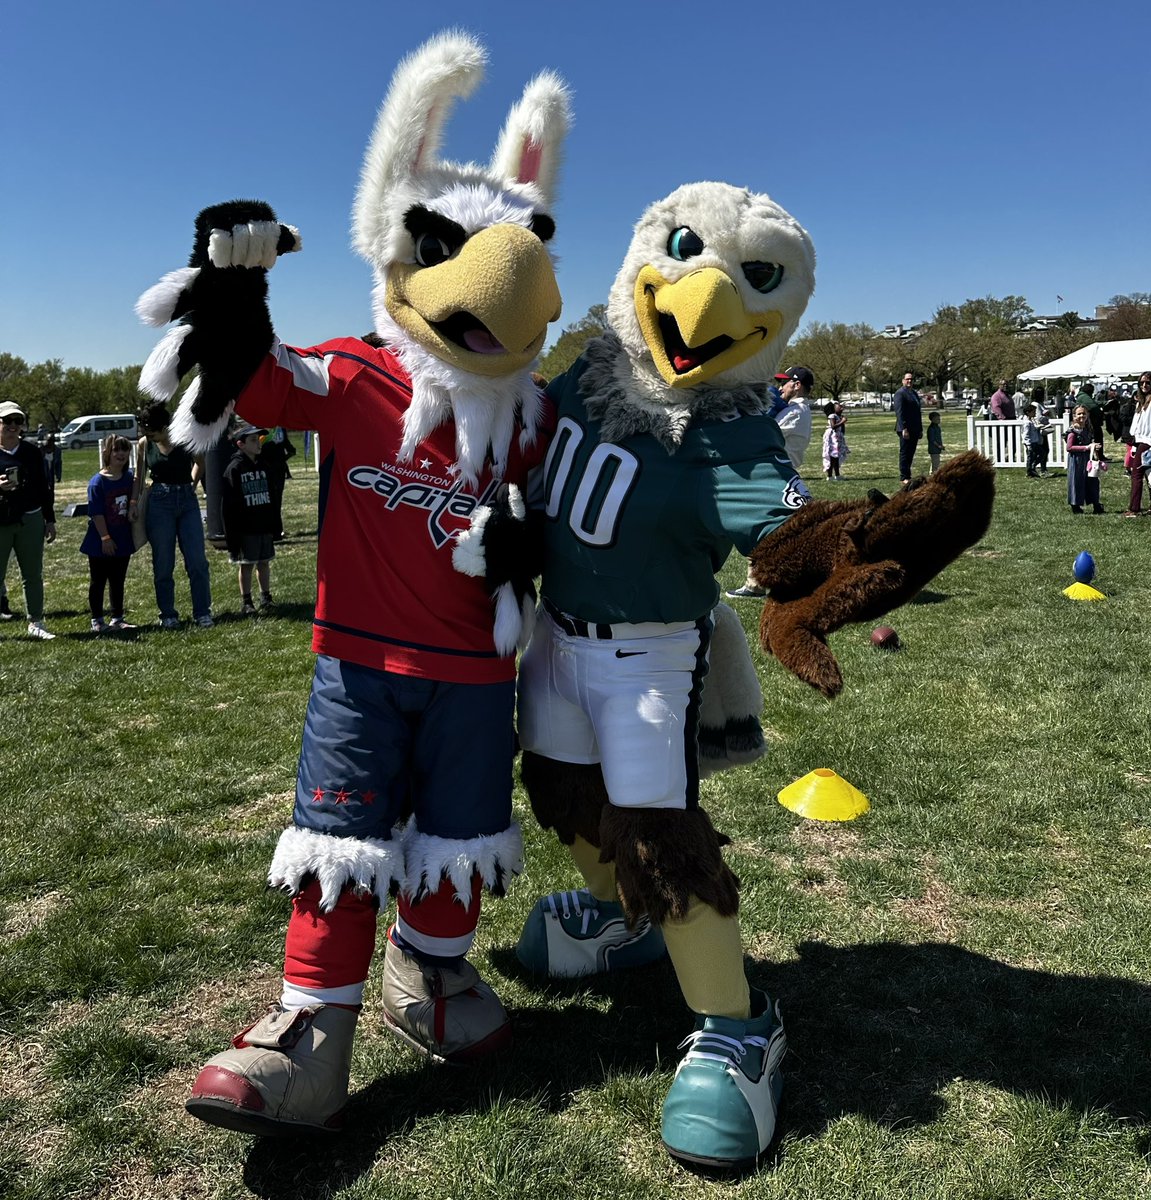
x=876, y=1030
x=879, y=1030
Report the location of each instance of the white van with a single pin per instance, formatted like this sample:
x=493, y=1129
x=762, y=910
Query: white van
x=92, y=430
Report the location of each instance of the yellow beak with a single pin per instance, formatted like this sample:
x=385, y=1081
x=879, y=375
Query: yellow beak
x=486, y=309
x=698, y=327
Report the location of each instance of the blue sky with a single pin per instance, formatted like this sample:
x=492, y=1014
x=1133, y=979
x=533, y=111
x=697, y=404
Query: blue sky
x=934, y=152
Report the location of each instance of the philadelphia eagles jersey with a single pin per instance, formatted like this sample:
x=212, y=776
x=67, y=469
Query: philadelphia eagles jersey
x=634, y=533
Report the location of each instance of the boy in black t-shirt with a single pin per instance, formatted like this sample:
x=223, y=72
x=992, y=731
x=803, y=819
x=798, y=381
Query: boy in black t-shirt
x=249, y=516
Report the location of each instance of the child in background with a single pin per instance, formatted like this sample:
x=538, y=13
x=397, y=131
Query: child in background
x=1082, y=449
x=934, y=440
x=250, y=518
x=108, y=539
x=834, y=448
x=1035, y=439
x=830, y=447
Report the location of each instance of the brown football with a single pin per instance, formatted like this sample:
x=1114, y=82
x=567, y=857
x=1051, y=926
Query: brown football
x=885, y=637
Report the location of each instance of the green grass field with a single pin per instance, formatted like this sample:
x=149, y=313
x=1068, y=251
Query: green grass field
x=965, y=972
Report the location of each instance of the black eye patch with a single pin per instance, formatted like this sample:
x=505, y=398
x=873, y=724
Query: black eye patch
x=419, y=221
x=543, y=227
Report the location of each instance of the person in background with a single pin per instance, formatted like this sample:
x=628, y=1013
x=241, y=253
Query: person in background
x=250, y=517
x=53, y=462
x=1035, y=439
x=834, y=443
x=934, y=440
x=108, y=540
x=1002, y=406
x=1082, y=486
x=27, y=519
x=173, y=516
x=1043, y=420
x=1140, y=434
x=792, y=413
x=908, y=409
x=790, y=409
x=1093, y=407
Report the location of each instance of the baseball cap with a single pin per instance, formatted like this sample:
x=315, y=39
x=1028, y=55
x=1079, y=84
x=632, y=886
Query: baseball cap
x=246, y=431
x=11, y=409
x=800, y=374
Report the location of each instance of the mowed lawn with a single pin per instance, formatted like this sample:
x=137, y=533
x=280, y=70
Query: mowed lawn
x=964, y=972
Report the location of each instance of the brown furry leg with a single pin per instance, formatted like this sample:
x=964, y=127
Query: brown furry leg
x=800, y=651
x=665, y=856
x=566, y=797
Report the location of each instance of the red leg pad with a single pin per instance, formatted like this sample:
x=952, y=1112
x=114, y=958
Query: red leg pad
x=329, y=949
x=440, y=914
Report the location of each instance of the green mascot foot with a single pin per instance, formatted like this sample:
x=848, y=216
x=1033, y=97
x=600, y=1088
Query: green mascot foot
x=286, y=1074
x=569, y=934
x=720, y=1112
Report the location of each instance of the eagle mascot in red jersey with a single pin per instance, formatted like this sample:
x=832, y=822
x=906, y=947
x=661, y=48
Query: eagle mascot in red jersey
x=405, y=776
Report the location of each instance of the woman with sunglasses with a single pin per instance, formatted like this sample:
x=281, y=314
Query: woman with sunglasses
x=1140, y=436
x=27, y=519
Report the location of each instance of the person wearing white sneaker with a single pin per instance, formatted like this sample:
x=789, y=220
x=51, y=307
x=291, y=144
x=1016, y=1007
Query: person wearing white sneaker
x=27, y=518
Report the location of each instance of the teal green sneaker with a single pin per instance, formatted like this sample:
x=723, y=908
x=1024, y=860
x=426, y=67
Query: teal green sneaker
x=722, y=1106
x=569, y=934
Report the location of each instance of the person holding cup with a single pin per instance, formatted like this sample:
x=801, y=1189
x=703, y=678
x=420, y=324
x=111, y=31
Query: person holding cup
x=27, y=519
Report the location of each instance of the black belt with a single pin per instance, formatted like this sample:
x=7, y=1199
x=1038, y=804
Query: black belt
x=574, y=627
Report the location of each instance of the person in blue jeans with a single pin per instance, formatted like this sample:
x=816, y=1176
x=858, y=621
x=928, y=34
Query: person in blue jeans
x=172, y=517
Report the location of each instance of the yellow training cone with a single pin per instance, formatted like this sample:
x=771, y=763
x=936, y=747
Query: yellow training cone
x=821, y=795
x=1083, y=591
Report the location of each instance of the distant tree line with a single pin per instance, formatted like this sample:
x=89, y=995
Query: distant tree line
x=968, y=345
x=52, y=394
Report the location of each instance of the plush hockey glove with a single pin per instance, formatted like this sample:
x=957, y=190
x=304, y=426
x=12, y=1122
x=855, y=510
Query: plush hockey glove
x=504, y=547
x=220, y=302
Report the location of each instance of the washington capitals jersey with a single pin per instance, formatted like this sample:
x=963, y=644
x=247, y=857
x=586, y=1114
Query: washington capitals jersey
x=634, y=533
x=387, y=594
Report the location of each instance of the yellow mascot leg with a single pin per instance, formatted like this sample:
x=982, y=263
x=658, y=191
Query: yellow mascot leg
x=707, y=954
x=599, y=877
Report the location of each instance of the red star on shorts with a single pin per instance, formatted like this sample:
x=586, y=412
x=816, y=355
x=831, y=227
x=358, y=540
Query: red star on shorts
x=369, y=797
x=317, y=795
x=342, y=797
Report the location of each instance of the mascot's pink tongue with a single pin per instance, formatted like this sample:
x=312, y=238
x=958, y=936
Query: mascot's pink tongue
x=684, y=362
x=482, y=342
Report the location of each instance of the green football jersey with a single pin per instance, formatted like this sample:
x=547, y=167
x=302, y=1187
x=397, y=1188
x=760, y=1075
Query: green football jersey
x=637, y=534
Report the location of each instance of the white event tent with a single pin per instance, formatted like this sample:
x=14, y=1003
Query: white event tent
x=1098, y=360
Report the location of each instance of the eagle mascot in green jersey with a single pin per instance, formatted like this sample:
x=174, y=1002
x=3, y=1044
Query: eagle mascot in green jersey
x=664, y=459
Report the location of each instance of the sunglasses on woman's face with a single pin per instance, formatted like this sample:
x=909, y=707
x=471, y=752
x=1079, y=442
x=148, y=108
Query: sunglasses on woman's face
x=13, y=420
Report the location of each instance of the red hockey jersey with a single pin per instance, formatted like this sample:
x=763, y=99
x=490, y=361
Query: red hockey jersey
x=387, y=593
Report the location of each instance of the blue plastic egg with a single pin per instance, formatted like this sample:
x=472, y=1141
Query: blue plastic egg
x=1084, y=568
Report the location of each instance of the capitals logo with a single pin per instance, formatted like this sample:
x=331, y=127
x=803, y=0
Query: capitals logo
x=448, y=503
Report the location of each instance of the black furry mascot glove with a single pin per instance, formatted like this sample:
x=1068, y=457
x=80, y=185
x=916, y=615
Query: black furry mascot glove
x=504, y=547
x=220, y=301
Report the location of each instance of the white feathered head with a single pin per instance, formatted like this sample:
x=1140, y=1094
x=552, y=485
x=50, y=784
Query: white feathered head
x=465, y=281
x=713, y=285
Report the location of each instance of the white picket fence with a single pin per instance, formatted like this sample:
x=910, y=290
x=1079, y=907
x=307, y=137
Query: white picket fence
x=1002, y=442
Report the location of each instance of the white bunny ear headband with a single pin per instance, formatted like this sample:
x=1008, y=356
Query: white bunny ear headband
x=403, y=165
